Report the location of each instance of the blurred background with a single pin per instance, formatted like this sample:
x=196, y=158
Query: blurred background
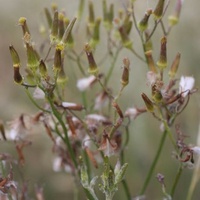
x=145, y=131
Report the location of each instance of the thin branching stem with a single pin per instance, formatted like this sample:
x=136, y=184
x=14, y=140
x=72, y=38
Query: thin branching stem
x=177, y=178
x=153, y=165
x=59, y=118
x=34, y=102
x=111, y=68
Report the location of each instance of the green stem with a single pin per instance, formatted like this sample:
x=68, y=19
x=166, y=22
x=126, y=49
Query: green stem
x=112, y=66
x=3, y=172
x=194, y=181
x=126, y=190
x=67, y=142
x=84, y=99
x=178, y=175
x=170, y=136
x=137, y=55
x=87, y=163
x=153, y=165
x=34, y=102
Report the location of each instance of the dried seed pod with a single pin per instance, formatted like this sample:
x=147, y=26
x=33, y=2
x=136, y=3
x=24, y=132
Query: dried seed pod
x=118, y=109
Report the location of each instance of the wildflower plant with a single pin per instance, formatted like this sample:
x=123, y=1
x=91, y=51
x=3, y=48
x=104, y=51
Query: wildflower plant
x=90, y=134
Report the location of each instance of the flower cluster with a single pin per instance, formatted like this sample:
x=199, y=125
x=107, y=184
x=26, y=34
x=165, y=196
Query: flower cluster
x=85, y=133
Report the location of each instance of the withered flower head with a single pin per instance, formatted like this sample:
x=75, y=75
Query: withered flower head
x=107, y=145
x=84, y=83
x=186, y=85
x=72, y=106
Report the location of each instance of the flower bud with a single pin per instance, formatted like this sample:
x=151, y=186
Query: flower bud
x=66, y=37
x=143, y=24
x=119, y=173
x=15, y=56
x=162, y=62
x=108, y=15
x=80, y=9
x=95, y=38
x=54, y=29
x=125, y=75
x=91, y=17
x=175, y=66
x=158, y=11
x=61, y=28
x=32, y=58
x=105, y=12
x=148, y=44
x=93, y=69
x=54, y=7
x=150, y=61
x=62, y=78
x=48, y=16
x=173, y=19
x=148, y=103
x=23, y=24
x=111, y=14
x=17, y=76
x=127, y=24
x=156, y=94
x=57, y=61
x=43, y=69
x=125, y=39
